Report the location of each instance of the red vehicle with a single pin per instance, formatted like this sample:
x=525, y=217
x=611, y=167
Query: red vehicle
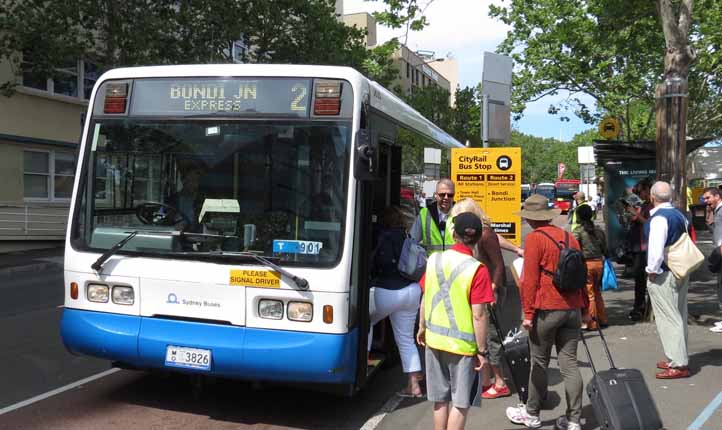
x=565, y=190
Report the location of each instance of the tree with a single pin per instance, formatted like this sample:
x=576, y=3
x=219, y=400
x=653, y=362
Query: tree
x=611, y=51
x=408, y=14
x=466, y=116
x=379, y=64
x=40, y=36
x=672, y=97
x=540, y=156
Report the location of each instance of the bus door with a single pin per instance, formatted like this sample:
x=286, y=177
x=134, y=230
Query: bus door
x=374, y=194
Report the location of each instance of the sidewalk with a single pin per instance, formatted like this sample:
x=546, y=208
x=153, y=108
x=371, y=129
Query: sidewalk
x=683, y=404
x=31, y=260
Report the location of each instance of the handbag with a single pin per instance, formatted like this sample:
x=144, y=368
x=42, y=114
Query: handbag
x=412, y=262
x=609, y=277
x=683, y=257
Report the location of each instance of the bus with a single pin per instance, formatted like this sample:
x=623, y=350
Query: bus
x=548, y=190
x=223, y=216
x=565, y=189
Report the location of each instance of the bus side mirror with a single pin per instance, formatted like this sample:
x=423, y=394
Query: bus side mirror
x=366, y=156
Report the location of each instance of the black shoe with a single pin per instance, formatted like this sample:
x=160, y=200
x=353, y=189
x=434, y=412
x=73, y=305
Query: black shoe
x=635, y=316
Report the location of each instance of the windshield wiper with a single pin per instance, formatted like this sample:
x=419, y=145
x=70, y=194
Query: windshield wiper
x=300, y=282
x=113, y=249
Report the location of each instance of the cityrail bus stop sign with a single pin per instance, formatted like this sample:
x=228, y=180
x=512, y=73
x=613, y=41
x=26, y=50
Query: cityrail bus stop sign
x=492, y=177
x=609, y=128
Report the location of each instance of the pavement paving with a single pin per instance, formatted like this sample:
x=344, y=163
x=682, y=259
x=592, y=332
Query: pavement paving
x=681, y=402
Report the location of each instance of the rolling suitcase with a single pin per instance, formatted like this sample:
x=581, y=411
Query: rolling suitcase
x=620, y=398
x=517, y=357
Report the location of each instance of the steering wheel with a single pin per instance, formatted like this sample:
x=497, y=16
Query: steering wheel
x=157, y=213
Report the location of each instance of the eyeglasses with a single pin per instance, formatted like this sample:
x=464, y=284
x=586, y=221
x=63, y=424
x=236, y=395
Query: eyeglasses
x=445, y=195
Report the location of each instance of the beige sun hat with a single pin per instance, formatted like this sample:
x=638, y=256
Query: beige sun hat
x=536, y=207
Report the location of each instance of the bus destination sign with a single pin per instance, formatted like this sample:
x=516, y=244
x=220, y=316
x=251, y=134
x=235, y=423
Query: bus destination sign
x=287, y=97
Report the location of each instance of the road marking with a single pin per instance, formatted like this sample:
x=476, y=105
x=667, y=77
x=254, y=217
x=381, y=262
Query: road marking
x=386, y=409
x=59, y=306
x=56, y=391
x=706, y=413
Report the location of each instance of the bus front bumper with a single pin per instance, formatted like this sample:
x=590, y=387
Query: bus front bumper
x=237, y=352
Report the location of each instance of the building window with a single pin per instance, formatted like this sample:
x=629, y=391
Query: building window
x=72, y=78
x=48, y=175
x=408, y=70
x=417, y=76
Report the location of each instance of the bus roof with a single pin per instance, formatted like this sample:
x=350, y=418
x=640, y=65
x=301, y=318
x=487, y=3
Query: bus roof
x=381, y=99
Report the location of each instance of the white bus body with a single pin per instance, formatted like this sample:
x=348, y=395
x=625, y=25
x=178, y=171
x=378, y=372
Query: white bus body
x=278, y=175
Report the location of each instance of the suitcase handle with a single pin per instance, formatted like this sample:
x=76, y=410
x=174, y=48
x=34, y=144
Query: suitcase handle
x=604, y=343
x=495, y=320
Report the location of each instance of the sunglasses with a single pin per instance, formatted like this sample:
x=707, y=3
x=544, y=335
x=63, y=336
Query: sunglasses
x=445, y=195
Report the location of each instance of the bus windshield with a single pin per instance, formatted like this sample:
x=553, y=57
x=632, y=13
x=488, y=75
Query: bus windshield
x=547, y=192
x=191, y=187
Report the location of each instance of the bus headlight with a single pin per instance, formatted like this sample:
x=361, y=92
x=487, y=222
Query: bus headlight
x=270, y=309
x=97, y=293
x=123, y=295
x=300, y=311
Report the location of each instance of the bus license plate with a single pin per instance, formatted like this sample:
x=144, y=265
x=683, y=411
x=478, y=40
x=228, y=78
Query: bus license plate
x=191, y=358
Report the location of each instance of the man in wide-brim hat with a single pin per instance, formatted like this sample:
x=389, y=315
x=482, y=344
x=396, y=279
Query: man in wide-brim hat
x=553, y=317
x=536, y=207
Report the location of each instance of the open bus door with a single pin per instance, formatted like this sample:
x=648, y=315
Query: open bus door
x=376, y=191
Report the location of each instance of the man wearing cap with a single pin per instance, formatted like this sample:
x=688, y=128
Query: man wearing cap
x=552, y=317
x=453, y=325
x=581, y=199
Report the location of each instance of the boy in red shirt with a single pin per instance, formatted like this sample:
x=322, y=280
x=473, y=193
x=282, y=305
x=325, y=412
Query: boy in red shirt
x=453, y=323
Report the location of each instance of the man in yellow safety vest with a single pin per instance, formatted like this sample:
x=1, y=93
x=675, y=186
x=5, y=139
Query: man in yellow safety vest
x=581, y=199
x=453, y=323
x=433, y=227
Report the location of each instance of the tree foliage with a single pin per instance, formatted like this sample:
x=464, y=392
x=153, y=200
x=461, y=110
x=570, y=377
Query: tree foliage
x=540, y=156
x=613, y=51
x=408, y=14
x=39, y=36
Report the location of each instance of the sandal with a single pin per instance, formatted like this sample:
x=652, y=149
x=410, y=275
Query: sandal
x=495, y=392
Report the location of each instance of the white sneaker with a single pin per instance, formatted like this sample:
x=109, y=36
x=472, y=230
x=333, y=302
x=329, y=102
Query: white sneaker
x=519, y=415
x=718, y=324
x=564, y=424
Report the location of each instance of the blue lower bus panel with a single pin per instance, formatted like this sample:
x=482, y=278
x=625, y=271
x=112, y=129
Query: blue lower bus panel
x=235, y=352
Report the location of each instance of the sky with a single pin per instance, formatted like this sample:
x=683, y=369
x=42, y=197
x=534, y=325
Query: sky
x=464, y=30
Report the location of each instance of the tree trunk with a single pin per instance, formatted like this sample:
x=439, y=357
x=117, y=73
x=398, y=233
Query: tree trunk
x=671, y=109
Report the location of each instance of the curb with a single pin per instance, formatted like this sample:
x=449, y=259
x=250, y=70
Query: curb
x=36, y=267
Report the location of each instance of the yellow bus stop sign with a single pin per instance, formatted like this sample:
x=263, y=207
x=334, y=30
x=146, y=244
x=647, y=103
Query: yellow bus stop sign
x=609, y=128
x=492, y=177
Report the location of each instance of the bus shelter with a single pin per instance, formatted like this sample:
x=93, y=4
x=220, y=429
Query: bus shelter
x=624, y=165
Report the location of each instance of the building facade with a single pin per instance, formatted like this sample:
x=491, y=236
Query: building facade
x=418, y=71
x=40, y=127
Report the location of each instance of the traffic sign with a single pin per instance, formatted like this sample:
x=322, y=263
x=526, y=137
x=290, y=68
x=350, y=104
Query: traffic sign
x=609, y=128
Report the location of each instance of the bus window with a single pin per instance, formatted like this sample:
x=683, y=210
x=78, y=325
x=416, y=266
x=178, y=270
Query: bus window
x=287, y=180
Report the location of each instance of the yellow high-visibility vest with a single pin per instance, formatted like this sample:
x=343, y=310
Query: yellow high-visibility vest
x=447, y=311
x=574, y=215
x=431, y=236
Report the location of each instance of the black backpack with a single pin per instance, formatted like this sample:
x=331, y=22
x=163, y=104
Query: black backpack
x=571, y=274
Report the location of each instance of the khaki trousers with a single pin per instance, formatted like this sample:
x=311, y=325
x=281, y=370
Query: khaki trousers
x=669, y=302
x=561, y=329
